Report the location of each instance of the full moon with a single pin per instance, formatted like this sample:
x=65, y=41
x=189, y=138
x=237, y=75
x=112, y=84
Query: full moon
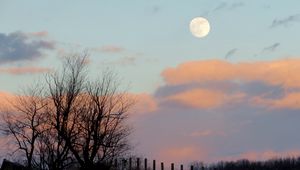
x=199, y=27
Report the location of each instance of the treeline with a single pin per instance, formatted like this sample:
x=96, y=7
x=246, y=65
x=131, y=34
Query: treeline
x=272, y=164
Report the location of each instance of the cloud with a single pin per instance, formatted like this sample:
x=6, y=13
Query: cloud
x=199, y=98
x=285, y=21
x=205, y=98
x=38, y=34
x=228, y=6
x=156, y=9
x=24, y=70
x=265, y=155
x=277, y=72
x=17, y=46
x=230, y=53
x=123, y=61
x=145, y=103
x=232, y=110
x=109, y=49
x=206, y=133
x=288, y=101
x=271, y=48
x=6, y=99
x=201, y=133
x=212, y=84
x=182, y=154
x=127, y=60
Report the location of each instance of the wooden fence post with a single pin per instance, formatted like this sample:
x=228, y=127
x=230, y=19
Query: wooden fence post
x=124, y=162
x=172, y=166
x=181, y=167
x=138, y=163
x=162, y=166
x=130, y=163
x=192, y=167
x=116, y=163
x=145, y=163
x=154, y=165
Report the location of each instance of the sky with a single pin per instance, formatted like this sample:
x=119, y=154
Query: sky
x=232, y=94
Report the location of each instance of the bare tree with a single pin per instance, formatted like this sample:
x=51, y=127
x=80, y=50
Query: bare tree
x=53, y=152
x=25, y=122
x=71, y=119
x=88, y=116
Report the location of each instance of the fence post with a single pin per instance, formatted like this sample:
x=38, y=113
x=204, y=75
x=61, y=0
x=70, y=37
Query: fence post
x=138, y=163
x=124, y=162
x=162, y=166
x=192, y=167
x=172, y=166
x=130, y=163
x=154, y=165
x=181, y=167
x=145, y=163
x=116, y=163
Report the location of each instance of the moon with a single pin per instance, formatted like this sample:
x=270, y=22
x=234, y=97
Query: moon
x=199, y=27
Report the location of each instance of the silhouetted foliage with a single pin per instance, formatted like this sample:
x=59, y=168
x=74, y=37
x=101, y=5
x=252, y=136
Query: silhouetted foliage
x=71, y=121
x=272, y=164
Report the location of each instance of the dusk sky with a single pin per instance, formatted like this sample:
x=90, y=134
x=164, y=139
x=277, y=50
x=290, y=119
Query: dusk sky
x=232, y=94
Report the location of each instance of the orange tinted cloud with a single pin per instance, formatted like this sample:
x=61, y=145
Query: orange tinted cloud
x=109, y=49
x=265, y=155
x=199, y=98
x=183, y=154
x=290, y=100
x=144, y=103
x=207, y=132
x=6, y=99
x=24, y=70
x=39, y=34
x=199, y=71
x=201, y=133
x=204, y=98
x=278, y=72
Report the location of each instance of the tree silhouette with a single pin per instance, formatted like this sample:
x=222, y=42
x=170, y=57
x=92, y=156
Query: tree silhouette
x=72, y=119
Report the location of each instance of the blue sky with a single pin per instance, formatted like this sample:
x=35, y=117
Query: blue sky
x=149, y=44
x=155, y=33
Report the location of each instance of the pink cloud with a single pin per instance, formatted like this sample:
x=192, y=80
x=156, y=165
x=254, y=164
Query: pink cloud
x=6, y=99
x=182, y=154
x=201, y=133
x=144, y=103
x=277, y=72
x=199, y=98
x=24, y=70
x=109, y=49
x=207, y=132
x=290, y=100
x=204, y=98
x=265, y=155
x=39, y=34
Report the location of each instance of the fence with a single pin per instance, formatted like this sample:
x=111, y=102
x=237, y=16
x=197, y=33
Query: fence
x=138, y=164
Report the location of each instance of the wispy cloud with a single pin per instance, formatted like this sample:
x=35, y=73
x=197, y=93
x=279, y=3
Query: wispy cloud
x=271, y=48
x=109, y=49
x=230, y=53
x=39, y=34
x=127, y=60
x=24, y=70
x=264, y=155
x=123, y=61
x=183, y=153
x=228, y=6
x=285, y=21
x=17, y=46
